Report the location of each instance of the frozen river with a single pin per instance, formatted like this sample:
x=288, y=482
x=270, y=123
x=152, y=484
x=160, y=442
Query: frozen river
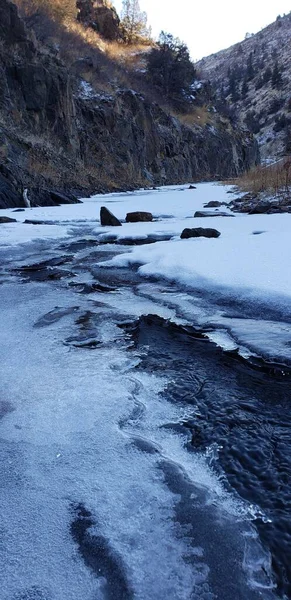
x=139, y=459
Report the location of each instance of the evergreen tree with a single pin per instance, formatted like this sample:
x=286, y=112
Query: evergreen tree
x=171, y=69
x=244, y=88
x=252, y=121
x=287, y=141
x=221, y=92
x=277, y=80
x=250, y=67
x=267, y=75
x=233, y=88
x=276, y=104
x=134, y=21
x=260, y=83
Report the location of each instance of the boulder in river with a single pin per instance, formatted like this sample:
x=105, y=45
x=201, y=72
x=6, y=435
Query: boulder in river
x=262, y=207
x=7, y=220
x=135, y=217
x=206, y=213
x=214, y=204
x=107, y=219
x=199, y=232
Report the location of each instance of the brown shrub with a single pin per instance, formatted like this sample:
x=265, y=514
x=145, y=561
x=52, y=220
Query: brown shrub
x=273, y=179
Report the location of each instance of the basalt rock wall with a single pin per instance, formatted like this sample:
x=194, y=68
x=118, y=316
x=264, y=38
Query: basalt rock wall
x=134, y=138
x=54, y=139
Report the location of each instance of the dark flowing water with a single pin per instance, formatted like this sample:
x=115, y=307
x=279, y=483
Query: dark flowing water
x=241, y=415
x=237, y=414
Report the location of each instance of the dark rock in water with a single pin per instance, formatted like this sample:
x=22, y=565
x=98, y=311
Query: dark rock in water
x=7, y=220
x=54, y=316
x=46, y=271
x=192, y=187
x=201, y=213
x=89, y=345
x=214, y=204
x=199, y=232
x=36, y=222
x=254, y=204
x=249, y=196
x=19, y=210
x=135, y=217
x=149, y=239
x=110, y=239
x=107, y=218
x=46, y=274
x=261, y=208
x=90, y=288
x=52, y=262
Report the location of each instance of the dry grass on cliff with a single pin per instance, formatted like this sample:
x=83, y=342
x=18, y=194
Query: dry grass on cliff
x=274, y=180
x=62, y=15
x=200, y=115
x=131, y=57
x=59, y=10
x=114, y=64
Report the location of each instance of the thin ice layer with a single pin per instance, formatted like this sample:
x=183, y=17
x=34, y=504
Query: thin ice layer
x=80, y=434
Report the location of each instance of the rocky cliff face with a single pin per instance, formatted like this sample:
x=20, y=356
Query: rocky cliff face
x=58, y=136
x=133, y=138
x=254, y=76
x=101, y=17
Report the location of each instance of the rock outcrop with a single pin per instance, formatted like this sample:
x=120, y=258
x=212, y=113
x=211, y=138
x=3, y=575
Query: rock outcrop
x=58, y=142
x=130, y=135
x=100, y=17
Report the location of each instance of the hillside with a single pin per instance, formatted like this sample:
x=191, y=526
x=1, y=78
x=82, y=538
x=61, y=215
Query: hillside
x=254, y=77
x=78, y=114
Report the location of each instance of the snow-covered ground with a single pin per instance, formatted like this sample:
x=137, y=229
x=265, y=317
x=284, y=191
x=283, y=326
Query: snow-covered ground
x=248, y=263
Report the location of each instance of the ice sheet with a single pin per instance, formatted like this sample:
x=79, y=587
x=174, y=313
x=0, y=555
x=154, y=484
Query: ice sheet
x=79, y=418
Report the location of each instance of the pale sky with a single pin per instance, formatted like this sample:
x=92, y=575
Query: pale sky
x=211, y=25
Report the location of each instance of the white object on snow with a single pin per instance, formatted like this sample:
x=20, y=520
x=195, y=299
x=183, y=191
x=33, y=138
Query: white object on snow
x=26, y=199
